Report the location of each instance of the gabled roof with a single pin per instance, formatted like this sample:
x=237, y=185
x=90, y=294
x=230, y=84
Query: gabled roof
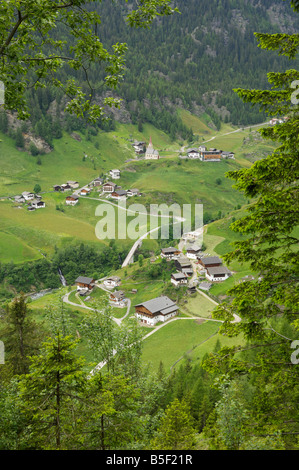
x=169, y=249
x=211, y=260
x=118, y=294
x=178, y=276
x=184, y=261
x=121, y=192
x=194, y=248
x=84, y=280
x=218, y=270
x=161, y=304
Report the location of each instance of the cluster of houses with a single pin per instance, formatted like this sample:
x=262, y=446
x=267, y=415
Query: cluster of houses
x=34, y=200
x=210, y=266
x=68, y=186
x=275, y=121
x=208, y=155
x=159, y=309
x=162, y=308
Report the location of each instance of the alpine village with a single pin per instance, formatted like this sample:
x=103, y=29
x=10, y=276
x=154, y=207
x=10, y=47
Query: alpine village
x=149, y=228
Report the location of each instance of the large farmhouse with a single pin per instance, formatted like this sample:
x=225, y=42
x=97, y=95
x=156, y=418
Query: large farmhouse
x=83, y=282
x=212, y=155
x=217, y=273
x=156, y=310
x=214, y=270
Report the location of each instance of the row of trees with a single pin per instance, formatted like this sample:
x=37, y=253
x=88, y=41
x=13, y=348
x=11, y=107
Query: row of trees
x=52, y=398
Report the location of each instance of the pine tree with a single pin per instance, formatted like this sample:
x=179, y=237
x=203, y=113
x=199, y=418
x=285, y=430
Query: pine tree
x=176, y=431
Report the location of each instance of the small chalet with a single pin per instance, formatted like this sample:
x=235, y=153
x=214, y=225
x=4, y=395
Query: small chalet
x=227, y=155
x=28, y=196
x=73, y=184
x=179, y=279
x=38, y=204
x=190, y=235
x=57, y=187
x=65, y=187
x=217, y=273
x=117, y=297
x=109, y=187
x=19, y=199
x=72, y=200
x=209, y=262
x=84, y=191
x=98, y=181
x=133, y=192
x=115, y=174
x=113, y=281
x=182, y=262
x=139, y=147
x=155, y=310
x=119, y=194
x=83, y=282
x=170, y=252
x=205, y=286
x=193, y=251
x=193, y=153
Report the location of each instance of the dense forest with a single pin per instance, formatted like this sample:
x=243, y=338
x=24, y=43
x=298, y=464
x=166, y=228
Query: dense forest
x=193, y=60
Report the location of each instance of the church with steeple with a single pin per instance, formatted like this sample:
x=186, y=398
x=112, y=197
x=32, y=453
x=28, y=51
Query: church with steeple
x=151, y=153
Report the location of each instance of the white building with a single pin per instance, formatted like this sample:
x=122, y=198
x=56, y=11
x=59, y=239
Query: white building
x=28, y=196
x=115, y=174
x=38, y=204
x=156, y=310
x=193, y=251
x=113, y=281
x=84, y=191
x=72, y=200
x=217, y=273
x=193, y=153
x=73, y=184
x=179, y=279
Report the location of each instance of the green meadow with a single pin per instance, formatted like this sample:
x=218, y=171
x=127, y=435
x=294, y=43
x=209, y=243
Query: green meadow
x=175, y=339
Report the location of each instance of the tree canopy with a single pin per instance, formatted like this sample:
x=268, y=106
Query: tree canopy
x=39, y=37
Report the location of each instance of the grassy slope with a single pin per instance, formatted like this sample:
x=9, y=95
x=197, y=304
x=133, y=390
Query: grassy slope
x=167, y=180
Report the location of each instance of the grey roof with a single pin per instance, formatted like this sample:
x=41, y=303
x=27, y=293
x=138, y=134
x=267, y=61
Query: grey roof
x=205, y=285
x=169, y=249
x=84, y=280
x=178, y=275
x=121, y=192
x=118, y=294
x=161, y=304
x=194, y=248
x=219, y=270
x=211, y=260
x=184, y=261
x=74, y=196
